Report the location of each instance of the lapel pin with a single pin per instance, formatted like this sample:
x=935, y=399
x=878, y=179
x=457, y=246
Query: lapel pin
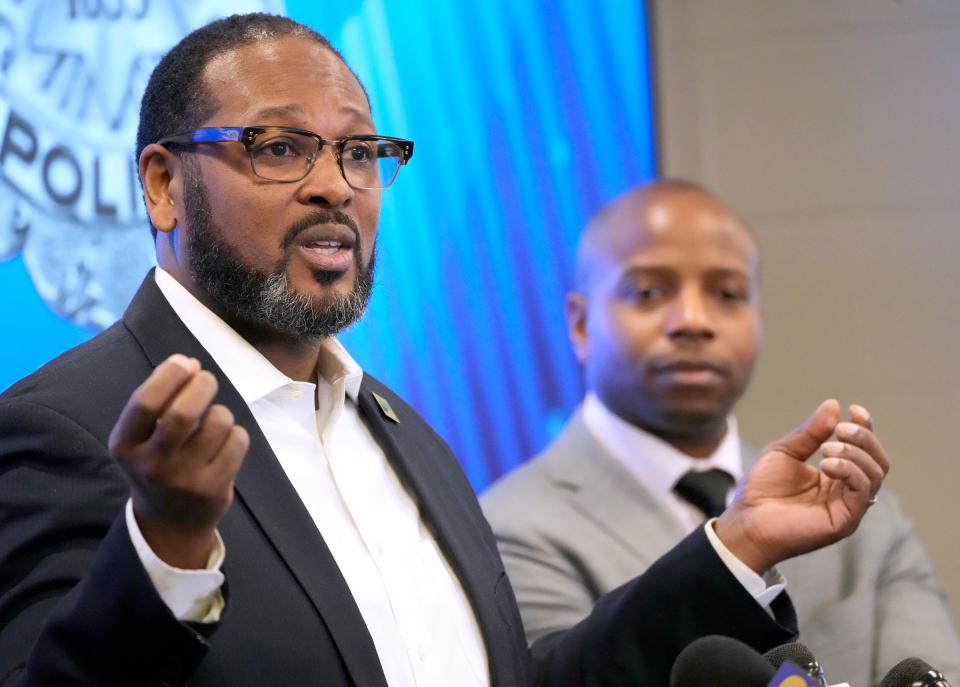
x=385, y=407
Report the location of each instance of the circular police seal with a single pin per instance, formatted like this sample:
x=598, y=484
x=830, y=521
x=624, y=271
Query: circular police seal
x=72, y=73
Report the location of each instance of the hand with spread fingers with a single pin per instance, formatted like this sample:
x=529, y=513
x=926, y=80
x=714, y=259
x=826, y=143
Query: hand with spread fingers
x=180, y=453
x=787, y=506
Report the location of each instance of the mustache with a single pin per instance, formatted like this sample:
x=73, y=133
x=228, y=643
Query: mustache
x=320, y=217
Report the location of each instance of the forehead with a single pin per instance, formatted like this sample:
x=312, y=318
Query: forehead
x=287, y=80
x=682, y=230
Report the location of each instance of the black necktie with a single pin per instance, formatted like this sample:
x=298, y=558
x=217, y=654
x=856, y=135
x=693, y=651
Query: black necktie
x=706, y=490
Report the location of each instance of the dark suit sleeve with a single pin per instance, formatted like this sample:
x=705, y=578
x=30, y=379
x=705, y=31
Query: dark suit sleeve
x=634, y=633
x=76, y=605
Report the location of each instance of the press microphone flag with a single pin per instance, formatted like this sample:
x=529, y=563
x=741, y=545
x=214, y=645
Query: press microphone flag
x=789, y=674
x=800, y=655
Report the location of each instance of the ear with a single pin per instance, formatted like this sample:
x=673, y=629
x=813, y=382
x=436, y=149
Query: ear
x=160, y=173
x=576, y=311
x=760, y=313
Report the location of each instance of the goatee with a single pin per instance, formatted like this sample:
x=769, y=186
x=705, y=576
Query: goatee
x=266, y=299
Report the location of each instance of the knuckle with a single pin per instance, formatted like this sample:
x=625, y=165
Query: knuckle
x=208, y=381
x=153, y=471
x=241, y=436
x=143, y=401
x=176, y=419
x=219, y=417
x=235, y=447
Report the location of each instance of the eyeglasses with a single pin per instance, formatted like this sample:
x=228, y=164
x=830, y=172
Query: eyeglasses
x=281, y=153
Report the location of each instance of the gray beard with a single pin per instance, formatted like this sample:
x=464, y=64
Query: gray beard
x=266, y=299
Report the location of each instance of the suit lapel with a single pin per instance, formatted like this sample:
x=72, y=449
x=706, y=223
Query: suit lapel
x=265, y=492
x=605, y=492
x=444, y=498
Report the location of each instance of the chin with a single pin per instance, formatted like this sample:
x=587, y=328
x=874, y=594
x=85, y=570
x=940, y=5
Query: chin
x=692, y=416
x=328, y=278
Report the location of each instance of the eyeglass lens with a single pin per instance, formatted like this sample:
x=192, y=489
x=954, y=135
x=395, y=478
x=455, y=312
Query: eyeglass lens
x=288, y=156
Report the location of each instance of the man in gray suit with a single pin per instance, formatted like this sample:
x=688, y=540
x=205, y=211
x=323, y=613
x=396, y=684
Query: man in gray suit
x=666, y=320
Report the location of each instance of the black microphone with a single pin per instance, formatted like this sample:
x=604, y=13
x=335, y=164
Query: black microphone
x=720, y=661
x=914, y=672
x=799, y=654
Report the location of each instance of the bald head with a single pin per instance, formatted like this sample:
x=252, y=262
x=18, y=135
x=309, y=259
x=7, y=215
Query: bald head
x=625, y=224
x=666, y=316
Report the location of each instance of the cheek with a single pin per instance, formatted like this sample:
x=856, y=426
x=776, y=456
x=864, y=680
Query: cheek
x=626, y=334
x=747, y=338
x=368, y=217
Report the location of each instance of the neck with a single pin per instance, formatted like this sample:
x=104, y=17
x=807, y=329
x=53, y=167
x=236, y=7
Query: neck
x=695, y=437
x=701, y=444
x=296, y=357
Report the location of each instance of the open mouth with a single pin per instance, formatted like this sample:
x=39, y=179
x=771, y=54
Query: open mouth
x=329, y=248
x=325, y=247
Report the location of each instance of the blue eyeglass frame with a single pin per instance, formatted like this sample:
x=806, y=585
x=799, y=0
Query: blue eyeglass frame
x=247, y=136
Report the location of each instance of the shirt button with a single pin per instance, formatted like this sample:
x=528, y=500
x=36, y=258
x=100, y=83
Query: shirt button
x=295, y=394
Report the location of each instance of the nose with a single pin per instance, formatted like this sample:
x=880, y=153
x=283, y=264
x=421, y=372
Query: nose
x=689, y=316
x=324, y=185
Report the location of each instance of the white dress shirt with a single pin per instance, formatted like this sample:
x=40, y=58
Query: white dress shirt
x=413, y=604
x=658, y=466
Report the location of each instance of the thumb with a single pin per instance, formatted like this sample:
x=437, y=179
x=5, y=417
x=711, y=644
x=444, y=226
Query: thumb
x=806, y=439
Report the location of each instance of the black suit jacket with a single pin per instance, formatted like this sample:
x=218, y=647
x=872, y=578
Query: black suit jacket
x=77, y=608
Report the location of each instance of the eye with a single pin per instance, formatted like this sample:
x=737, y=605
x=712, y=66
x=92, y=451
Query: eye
x=278, y=148
x=729, y=295
x=643, y=294
x=360, y=152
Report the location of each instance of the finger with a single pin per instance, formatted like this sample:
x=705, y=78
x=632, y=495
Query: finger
x=860, y=415
x=848, y=473
x=220, y=473
x=228, y=460
x=804, y=441
x=147, y=402
x=863, y=437
x=210, y=435
x=863, y=460
x=184, y=413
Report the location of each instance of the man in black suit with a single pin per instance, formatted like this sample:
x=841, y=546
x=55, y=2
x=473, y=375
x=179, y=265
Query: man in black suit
x=212, y=492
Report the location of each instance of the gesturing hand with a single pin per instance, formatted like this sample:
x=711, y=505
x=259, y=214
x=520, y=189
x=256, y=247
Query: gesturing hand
x=787, y=507
x=180, y=455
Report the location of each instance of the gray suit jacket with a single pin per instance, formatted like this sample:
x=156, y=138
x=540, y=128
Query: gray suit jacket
x=573, y=524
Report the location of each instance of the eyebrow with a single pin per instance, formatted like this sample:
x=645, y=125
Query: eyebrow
x=659, y=270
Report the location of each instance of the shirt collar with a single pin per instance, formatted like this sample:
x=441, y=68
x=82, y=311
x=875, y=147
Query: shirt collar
x=651, y=459
x=247, y=369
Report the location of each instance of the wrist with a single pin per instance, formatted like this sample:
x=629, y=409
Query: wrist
x=178, y=547
x=731, y=530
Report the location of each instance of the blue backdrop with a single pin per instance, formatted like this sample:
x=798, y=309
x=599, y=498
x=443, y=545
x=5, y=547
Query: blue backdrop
x=527, y=117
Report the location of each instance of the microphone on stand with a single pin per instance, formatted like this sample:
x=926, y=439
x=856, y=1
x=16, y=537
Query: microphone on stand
x=800, y=655
x=914, y=672
x=720, y=661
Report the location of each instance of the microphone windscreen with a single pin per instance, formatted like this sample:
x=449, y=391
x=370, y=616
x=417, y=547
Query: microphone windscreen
x=910, y=671
x=720, y=661
x=794, y=651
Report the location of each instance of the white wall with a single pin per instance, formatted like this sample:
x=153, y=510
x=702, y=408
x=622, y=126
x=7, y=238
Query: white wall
x=832, y=126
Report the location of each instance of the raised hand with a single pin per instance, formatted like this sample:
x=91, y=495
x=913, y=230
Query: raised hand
x=181, y=455
x=787, y=507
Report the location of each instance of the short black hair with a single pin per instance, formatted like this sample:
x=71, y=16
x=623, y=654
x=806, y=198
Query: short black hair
x=176, y=99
